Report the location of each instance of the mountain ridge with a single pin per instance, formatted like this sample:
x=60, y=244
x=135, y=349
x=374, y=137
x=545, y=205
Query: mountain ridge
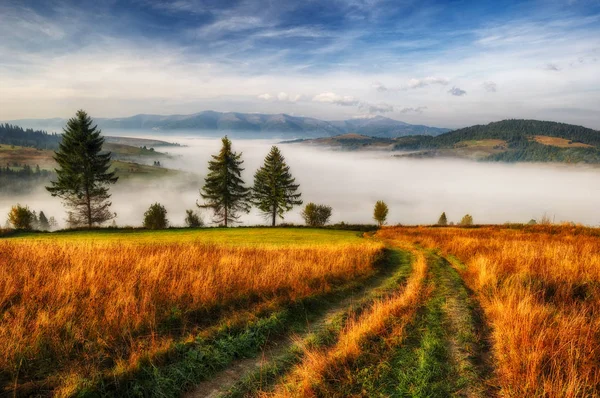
x=253, y=125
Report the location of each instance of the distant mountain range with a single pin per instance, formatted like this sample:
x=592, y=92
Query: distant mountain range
x=250, y=125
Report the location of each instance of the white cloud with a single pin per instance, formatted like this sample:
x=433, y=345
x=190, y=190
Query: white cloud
x=265, y=96
x=332, y=98
x=457, y=91
x=552, y=67
x=376, y=108
x=490, y=87
x=418, y=109
x=427, y=81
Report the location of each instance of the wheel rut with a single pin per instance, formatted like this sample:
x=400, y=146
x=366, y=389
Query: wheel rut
x=387, y=279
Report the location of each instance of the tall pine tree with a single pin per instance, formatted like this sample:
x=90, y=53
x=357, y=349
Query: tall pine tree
x=82, y=174
x=275, y=190
x=224, y=190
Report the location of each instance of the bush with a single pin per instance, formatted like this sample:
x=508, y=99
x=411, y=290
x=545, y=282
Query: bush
x=21, y=217
x=316, y=215
x=193, y=220
x=156, y=217
x=466, y=220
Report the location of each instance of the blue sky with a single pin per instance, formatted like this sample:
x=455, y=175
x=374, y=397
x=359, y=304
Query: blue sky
x=442, y=63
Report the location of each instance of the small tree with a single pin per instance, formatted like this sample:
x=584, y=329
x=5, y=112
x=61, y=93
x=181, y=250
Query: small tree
x=466, y=220
x=380, y=212
x=275, y=190
x=20, y=217
x=443, y=221
x=223, y=189
x=156, y=217
x=316, y=215
x=53, y=223
x=43, y=222
x=193, y=220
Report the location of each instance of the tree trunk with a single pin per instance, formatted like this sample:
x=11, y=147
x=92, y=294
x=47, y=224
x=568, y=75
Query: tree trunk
x=225, y=216
x=89, y=207
x=274, y=215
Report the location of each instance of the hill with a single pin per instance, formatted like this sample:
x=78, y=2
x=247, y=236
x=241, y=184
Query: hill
x=507, y=141
x=249, y=125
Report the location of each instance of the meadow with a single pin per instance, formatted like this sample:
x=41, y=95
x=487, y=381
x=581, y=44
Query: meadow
x=82, y=306
x=508, y=311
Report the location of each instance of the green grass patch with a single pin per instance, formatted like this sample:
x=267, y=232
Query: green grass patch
x=276, y=237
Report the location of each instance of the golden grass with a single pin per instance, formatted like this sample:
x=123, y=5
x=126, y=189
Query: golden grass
x=387, y=318
x=70, y=310
x=540, y=291
x=559, y=142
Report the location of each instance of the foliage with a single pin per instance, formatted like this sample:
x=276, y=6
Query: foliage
x=43, y=223
x=21, y=217
x=15, y=135
x=443, y=220
x=18, y=178
x=275, y=190
x=192, y=219
x=466, y=220
x=156, y=217
x=82, y=175
x=316, y=215
x=224, y=190
x=380, y=212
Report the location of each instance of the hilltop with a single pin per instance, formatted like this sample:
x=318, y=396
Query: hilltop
x=513, y=140
x=249, y=125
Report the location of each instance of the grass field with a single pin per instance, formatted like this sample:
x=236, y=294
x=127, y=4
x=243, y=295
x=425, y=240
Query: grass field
x=78, y=308
x=289, y=312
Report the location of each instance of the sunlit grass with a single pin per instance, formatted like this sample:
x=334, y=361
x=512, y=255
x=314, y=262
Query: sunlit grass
x=75, y=304
x=540, y=290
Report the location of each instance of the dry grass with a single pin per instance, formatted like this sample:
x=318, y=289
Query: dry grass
x=559, y=142
x=387, y=318
x=73, y=309
x=540, y=290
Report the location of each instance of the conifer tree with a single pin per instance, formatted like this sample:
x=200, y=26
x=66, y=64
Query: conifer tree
x=224, y=190
x=443, y=220
x=275, y=190
x=380, y=212
x=82, y=175
x=43, y=223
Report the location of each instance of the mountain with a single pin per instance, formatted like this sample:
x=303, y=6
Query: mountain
x=250, y=125
x=512, y=140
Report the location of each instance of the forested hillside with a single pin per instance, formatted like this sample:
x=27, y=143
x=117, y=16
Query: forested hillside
x=15, y=135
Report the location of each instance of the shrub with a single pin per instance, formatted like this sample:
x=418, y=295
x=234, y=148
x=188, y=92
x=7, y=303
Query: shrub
x=156, y=217
x=380, y=212
x=466, y=220
x=21, y=217
x=193, y=220
x=316, y=215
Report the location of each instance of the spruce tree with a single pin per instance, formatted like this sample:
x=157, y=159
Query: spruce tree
x=43, y=223
x=224, y=190
x=443, y=220
x=82, y=174
x=275, y=190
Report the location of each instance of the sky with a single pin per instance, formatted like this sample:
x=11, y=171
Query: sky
x=439, y=63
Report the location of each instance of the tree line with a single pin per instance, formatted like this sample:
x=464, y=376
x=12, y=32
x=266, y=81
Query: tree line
x=15, y=135
x=83, y=180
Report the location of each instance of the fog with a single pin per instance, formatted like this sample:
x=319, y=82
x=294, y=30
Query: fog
x=417, y=191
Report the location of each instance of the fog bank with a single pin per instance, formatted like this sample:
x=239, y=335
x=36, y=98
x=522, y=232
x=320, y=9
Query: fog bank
x=417, y=191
